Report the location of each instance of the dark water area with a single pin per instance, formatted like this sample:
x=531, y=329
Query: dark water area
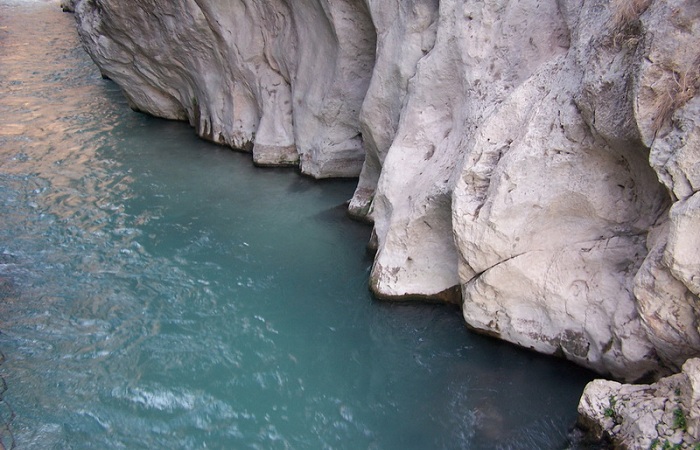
x=158, y=291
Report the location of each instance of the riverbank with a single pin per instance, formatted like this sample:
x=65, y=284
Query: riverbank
x=169, y=294
x=547, y=187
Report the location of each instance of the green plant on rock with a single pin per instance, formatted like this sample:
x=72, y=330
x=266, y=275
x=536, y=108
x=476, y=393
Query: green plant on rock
x=666, y=446
x=669, y=446
x=610, y=410
x=679, y=421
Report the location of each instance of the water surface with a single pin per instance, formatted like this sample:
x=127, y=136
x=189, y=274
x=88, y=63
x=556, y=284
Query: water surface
x=157, y=291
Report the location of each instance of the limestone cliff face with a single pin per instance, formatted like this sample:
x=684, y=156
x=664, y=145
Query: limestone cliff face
x=285, y=81
x=537, y=161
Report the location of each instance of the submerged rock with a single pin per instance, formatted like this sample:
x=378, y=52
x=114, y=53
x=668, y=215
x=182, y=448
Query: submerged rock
x=535, y=161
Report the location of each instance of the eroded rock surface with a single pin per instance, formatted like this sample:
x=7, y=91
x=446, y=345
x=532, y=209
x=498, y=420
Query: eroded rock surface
x=537, y=161
x=662, y=415
x=532, y=173
x=285, y=81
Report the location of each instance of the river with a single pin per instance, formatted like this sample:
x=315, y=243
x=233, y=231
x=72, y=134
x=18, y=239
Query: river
x=159, y=292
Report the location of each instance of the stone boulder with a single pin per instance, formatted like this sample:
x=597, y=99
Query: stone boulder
x=519, y=179
x=521, y=173
x=665, y=414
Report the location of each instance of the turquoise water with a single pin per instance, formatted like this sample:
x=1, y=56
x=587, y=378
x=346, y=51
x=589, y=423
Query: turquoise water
x=158, y=291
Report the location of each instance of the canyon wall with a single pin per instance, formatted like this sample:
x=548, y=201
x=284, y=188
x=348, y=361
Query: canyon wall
x=535, y=161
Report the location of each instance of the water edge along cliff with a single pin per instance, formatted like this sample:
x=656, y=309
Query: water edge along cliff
x=535, y=161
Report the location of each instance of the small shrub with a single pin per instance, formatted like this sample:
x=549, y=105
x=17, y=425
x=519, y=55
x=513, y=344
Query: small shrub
x=685, y=86
x=610, y=410
x=679, y=421
x=625, y=26
x=669, y=446
x=629, y=10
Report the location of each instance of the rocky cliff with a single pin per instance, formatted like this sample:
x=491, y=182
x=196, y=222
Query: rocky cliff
x=536, y=161
x=663, y=415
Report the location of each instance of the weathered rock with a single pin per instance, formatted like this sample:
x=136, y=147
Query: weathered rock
x=661, y=415
x=406, y=32
x=536, y=160
x=667, y=308
x=666, y=110
x=553, y=207
x=547, y=261
x=477, y=61
x=286, y=82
